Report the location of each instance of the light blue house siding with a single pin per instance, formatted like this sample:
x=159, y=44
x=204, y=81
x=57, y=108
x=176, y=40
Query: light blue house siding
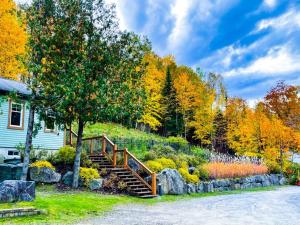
x=10, y=138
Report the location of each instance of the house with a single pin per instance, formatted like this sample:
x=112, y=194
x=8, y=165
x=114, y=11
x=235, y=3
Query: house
x=14, y=120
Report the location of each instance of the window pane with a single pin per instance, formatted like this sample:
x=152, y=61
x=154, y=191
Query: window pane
x=16, y=107
x=49, y=124
x=10, y=152
x=15, y=119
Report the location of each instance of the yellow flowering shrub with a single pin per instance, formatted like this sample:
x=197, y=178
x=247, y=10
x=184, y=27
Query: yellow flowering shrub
x=187, y=176
x=166, y=163
x=42, y=164
x=154, y=166
x=88, y=174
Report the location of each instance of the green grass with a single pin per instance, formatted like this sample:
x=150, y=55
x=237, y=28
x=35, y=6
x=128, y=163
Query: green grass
x=113, y=130
x=73, y=206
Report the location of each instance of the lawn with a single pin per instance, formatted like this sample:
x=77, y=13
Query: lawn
x=72, y=206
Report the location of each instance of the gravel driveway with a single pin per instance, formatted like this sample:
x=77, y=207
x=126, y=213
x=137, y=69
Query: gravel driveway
x=278, y=207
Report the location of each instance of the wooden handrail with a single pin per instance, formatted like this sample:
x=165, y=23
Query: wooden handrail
x=126, y=153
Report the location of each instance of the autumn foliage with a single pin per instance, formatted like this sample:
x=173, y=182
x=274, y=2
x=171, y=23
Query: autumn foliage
x=12, y=40
x=218, y=170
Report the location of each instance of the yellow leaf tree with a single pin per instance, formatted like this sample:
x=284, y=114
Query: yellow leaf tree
x=12, y=40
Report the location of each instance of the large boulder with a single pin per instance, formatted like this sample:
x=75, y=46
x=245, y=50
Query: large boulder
x=17, y=190
x=191, y=188
x=171, y=182
x=96, y=184
x=44, y=175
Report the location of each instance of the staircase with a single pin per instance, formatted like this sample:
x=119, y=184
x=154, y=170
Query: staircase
x=107, y=158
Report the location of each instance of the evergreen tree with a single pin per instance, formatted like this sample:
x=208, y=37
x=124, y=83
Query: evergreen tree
x=172, y=121
x=220, y=127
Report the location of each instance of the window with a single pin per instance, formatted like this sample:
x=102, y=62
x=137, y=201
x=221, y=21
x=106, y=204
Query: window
x=50, y=122
x=16, y=115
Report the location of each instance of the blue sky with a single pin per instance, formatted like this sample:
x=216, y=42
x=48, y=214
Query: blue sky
x=252, y=43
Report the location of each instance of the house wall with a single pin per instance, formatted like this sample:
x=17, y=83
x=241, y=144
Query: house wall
x=10, y=138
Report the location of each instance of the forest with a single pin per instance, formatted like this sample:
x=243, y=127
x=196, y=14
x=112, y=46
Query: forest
x=86, y=74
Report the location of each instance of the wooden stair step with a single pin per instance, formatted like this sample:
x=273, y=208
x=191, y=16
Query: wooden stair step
x=144, y=193
x=148, y=196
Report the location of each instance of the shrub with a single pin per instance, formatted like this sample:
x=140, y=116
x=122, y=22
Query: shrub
x=188, y=177
x=42, y=164
x=103, y=172
x=162, y=150
x=201, y=172
x=166, y=163
x=151, y=155
x=293, y=173
x=88, y=174
x=122, y=186
x=66, y=155
x=154, y=166
x=111, y=182
x=230, y=170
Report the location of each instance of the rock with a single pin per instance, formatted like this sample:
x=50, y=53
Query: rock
x=133, y=165
x=17, y=190
x=282, y=180
x=67, y=179
x=44, y=175
x=191, y=188
x=171, y=182
x=274, y=179
x=191, y=170
x=200, y=187
x=96, y=184
x=208, y=187
x=10, y=171
x=258, y=178
x=236, y=186
x=266, y=183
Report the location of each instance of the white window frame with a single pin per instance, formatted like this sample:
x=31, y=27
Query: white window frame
x=11, y=126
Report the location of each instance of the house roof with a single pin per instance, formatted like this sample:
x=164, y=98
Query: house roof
x=7, y=85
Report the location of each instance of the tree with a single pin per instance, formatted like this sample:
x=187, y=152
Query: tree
x=171, y=115
x=12, y=40
x=187, y=96
x=220, y=132
x=284, y=101
x=36, y=17
x=91, y=71
x=153, y=82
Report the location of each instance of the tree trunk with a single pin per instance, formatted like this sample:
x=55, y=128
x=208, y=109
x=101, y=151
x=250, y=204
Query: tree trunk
x=28, y=144
x=78, y=154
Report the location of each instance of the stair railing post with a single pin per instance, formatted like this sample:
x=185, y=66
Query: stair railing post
x=91, y=147
x=115, y=155
x=103, y=145
x=125, y=158
x=153, y=183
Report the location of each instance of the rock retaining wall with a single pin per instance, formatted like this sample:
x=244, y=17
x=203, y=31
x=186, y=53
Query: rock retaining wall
x=170, y=182
x=8, y=213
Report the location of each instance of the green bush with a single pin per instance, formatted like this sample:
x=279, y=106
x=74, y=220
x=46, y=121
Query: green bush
x=151, y=155
x=189, y=178
x=154, y=166
x=293, y=173
x=163, y=151
x=166, y=163
x=66, y=155
x=201, y=172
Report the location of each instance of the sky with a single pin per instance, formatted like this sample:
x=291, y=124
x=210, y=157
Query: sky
x=252, y=44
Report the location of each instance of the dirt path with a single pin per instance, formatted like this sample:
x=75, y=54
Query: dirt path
x=278, y=207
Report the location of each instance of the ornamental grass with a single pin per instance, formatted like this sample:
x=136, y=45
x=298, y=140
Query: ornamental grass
x=218, y=170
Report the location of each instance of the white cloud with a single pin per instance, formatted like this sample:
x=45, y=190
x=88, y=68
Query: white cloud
x=279, y=60
x=287, y=21
x=180, y=12
x=270, y=3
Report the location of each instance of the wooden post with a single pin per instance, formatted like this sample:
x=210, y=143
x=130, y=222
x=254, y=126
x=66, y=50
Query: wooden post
x=115, y=155
x=71, y=141
x=91, y=147
x=125, y=158
x=103, y=145
x=153, y=183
